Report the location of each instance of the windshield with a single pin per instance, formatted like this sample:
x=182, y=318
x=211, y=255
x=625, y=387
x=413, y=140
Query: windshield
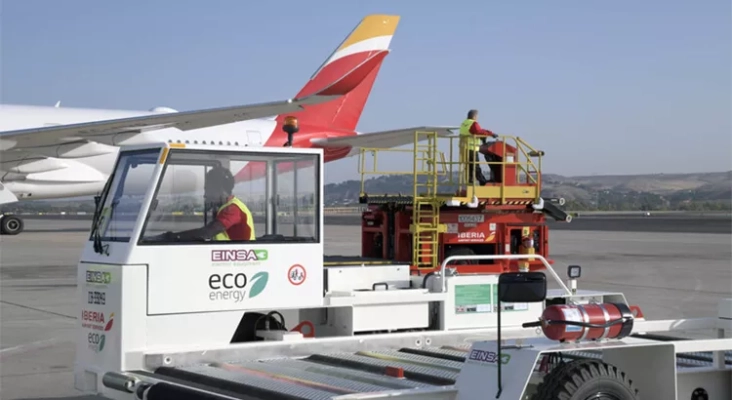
x=279, y=192
x=124, y=194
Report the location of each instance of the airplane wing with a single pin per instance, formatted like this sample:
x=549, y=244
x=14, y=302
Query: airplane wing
x=384, y=139
x=187, y=120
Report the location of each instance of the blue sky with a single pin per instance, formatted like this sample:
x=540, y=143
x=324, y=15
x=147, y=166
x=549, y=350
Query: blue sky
x=603, y=87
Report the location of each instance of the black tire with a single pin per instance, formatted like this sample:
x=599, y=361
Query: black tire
x=460, y=251
x=11, y=225
x=585, y=379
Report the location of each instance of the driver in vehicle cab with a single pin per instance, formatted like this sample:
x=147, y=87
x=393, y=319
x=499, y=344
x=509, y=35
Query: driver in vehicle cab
x=233, y=219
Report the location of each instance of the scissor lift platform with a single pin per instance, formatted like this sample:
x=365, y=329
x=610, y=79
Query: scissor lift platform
x=446, y=212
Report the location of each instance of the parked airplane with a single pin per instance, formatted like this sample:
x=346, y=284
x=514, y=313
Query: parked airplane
x=57, y=152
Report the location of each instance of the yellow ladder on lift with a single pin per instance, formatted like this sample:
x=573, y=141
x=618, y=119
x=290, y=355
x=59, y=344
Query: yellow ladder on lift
x=426, y=225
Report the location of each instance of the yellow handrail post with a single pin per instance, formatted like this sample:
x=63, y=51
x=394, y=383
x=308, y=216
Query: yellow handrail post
x=503, y=173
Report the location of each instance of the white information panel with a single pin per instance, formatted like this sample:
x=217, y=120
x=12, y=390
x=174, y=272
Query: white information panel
x=200, y=278
x=472, y=303
x=98, y=323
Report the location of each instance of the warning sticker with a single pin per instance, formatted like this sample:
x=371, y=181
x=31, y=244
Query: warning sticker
x=297, y=274
x=574, y=315
x=474, y=298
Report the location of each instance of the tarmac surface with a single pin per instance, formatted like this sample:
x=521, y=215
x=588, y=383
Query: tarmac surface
x=669, y=275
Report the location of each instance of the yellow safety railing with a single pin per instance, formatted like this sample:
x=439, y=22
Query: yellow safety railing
x=425, y=162
x=444, y=174
x=527, y=179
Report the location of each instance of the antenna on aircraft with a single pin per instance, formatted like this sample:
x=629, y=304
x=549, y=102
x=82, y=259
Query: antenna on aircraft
x=58, y=104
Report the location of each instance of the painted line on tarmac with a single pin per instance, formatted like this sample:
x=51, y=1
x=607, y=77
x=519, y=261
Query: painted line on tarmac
x=37, y=309
x=637, y=286
x=24, y=348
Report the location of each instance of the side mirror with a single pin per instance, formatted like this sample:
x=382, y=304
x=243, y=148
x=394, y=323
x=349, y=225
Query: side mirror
x=97, y=199
x=522, y=287
x=517, y=287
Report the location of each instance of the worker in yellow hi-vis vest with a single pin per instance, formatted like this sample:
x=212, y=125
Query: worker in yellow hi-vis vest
x=470, y=140
x=233, y=220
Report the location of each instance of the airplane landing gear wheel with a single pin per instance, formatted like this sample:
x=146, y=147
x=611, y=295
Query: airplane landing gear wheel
x=11, y=225
x=586, y=380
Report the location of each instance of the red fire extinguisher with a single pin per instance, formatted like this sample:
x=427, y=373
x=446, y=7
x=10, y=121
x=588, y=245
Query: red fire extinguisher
x=565, y=322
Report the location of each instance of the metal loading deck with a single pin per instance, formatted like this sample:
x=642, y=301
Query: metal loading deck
x=328, y=376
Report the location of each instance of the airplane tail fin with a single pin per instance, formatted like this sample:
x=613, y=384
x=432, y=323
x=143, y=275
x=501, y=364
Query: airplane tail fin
x=365, y=47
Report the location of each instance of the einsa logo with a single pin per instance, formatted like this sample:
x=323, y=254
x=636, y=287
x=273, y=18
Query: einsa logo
x=98, y=277
x=489, y=357
x=238, y=255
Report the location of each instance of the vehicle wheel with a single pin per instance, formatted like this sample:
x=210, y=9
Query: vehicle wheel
x=11, y=225
x=586, y=380
x=461, y=251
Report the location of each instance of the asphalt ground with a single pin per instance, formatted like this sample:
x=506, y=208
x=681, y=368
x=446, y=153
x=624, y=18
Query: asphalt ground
x=670, y=275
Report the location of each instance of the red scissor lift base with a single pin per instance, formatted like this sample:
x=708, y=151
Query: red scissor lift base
x=500, y=224
x=386, y=235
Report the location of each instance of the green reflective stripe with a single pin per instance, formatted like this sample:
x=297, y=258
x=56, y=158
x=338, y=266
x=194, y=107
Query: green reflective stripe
x=223, y=236
x=466, y=137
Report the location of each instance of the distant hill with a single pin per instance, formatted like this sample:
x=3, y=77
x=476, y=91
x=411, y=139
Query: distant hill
x=600, y=192
x=693, y=192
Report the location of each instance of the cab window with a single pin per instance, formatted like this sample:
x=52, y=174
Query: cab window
x=280, y=191
x=124, y=194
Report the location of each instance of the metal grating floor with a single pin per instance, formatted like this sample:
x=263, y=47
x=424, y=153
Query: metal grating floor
x=324, y=376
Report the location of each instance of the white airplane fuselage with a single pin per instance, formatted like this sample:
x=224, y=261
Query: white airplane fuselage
x=59, y=152
x=41, y=164
x=73, y=171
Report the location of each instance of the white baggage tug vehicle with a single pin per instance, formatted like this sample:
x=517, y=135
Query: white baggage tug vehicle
x=275, y=318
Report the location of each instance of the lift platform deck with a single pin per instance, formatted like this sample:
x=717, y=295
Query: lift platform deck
x=162, y=317
x=376, y=368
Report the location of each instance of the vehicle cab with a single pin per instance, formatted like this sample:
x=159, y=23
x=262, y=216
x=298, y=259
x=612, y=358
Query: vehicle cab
x=140, y=290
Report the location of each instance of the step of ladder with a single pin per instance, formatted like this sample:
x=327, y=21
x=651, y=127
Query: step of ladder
x=425, y=228
x=425, y=214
